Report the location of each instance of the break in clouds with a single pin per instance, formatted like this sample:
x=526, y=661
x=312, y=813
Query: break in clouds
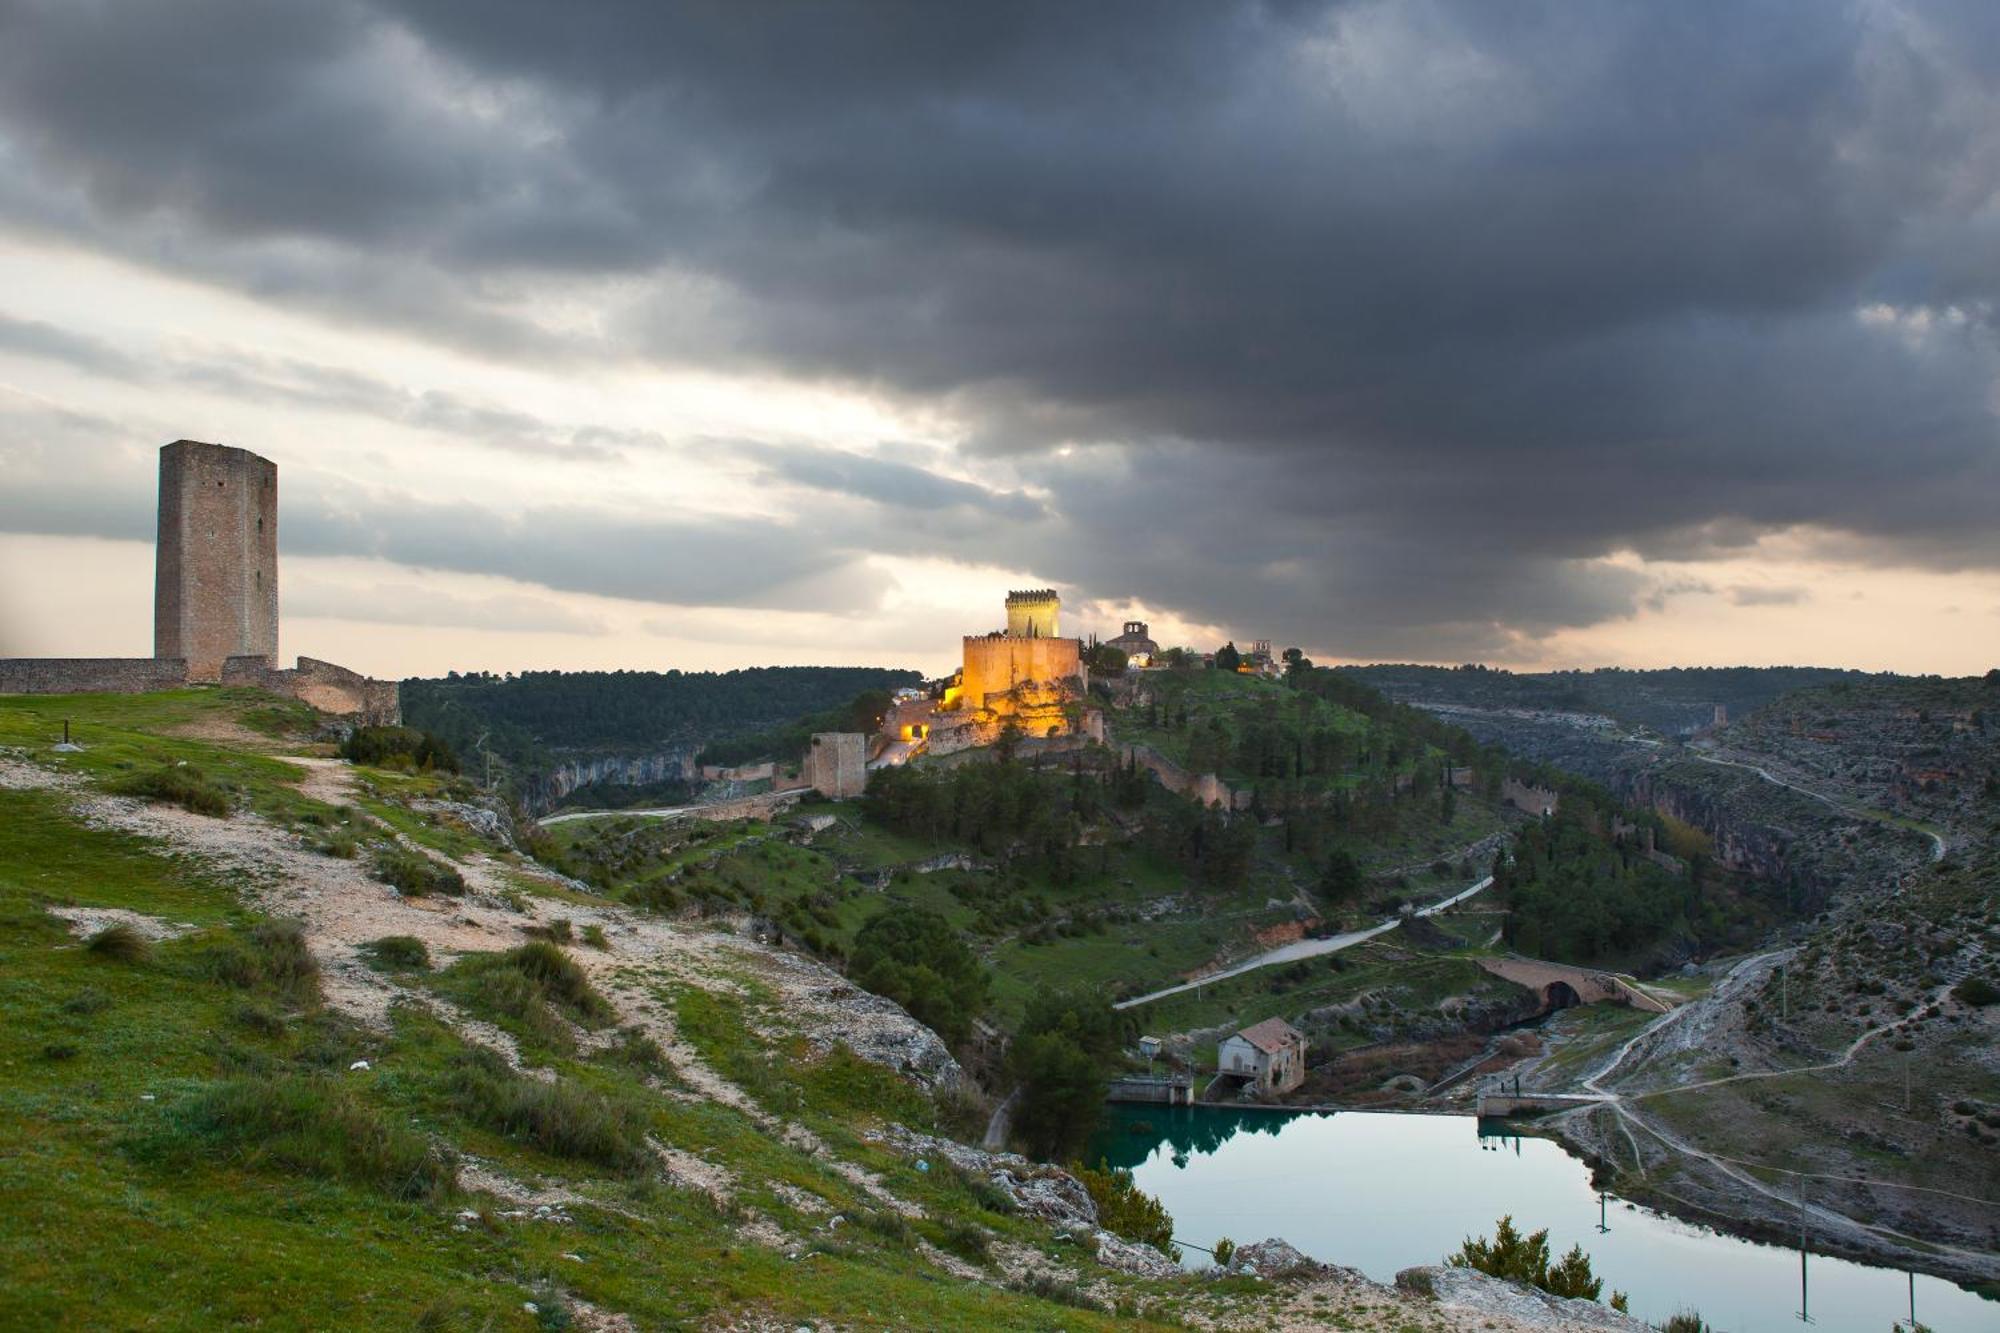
x=1386, y=323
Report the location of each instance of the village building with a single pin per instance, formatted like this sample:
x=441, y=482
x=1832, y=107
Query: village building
x=1268, y=1057
x=1136, y=643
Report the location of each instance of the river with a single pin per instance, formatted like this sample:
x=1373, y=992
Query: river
x=1381, y=1192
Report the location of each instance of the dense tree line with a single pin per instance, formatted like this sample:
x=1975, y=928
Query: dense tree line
x=1578, y=893
x=525, y=718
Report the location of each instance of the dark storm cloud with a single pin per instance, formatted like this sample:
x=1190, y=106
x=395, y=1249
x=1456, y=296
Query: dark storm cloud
x=1383, y=321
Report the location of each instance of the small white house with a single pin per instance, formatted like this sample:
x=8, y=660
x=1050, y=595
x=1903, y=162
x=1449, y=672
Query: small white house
x=1269, y=1056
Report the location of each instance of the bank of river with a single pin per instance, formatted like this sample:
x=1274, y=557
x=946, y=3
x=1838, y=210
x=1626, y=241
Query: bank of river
x=1380, y=1192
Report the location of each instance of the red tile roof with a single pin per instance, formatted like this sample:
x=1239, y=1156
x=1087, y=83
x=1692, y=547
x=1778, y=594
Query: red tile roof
x=1271, y=1036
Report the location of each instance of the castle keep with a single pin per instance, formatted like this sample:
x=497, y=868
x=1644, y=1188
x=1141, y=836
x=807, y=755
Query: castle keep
x=1025, y=676
x=215, y=586
x=215, y=599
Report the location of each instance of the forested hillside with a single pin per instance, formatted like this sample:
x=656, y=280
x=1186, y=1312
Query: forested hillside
x=531, y=719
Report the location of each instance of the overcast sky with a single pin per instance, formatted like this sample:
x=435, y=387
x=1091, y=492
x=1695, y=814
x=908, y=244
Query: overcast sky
x=701, y=335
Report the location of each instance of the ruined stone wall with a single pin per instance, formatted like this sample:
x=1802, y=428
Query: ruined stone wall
x=328, y=687
x=215, y=590
x=836, y=764
x=91, y=675
x=1537, y=801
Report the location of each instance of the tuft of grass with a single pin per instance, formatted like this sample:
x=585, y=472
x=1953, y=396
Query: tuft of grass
x=559, y=1118
x=1060, y=1290
x=89, y=1000
x=176, y=784
x=416, y=875
x=259, y=1018
x=394, y=953
x=560, y=979
x=310, y=1123
x=270, y=955
x=593, y=935
x=121, y=943
x=633, y=1047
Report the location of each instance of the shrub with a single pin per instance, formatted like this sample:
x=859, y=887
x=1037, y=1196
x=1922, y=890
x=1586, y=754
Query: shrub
x=1684, y=1321
x=1525, y=1259
x=559, y=1118
x=915, y=958
x=416, y=875
x=271, y=954
x=399, y=747
x=1977, y=992
x=394, y=952
x=1224, y=1251
x=1125, y=1210
x=176, y=784
x=303, y=1122
x=121, y=943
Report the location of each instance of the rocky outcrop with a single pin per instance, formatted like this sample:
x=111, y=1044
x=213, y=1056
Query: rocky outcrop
x=1046, y=1193
x=1467, y=1291
x=565, y=776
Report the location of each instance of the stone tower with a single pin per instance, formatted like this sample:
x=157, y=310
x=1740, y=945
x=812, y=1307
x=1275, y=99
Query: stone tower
x=1033, y=614
x=215, y=591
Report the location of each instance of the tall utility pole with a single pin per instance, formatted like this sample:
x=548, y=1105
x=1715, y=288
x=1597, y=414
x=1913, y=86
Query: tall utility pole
x=1805, y=1310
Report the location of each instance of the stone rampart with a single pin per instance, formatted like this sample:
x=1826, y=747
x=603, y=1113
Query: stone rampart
x=326, y=686
x=91, y=675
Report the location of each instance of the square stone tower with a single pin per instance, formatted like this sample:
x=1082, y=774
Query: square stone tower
x=215, y=590
x=1033, y=614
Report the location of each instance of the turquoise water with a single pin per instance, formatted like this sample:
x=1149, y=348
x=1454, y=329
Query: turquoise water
x=1382, y=1192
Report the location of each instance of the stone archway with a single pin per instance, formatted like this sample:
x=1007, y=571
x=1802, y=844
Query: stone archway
x=1559, y=995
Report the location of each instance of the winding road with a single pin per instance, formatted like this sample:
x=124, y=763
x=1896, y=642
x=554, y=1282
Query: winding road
x=1291, y=953
x=1937, y=839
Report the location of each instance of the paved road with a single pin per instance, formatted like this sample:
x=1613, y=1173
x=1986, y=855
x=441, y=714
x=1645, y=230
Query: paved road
x=1289, y=953
x=662, y=812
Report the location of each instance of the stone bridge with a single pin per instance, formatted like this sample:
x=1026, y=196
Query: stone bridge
x=1561, y=985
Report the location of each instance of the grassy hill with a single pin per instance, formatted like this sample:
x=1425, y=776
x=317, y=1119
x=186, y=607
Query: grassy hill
x=245, y=1080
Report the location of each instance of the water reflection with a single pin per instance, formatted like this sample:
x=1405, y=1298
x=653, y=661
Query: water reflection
x=1382, y=1192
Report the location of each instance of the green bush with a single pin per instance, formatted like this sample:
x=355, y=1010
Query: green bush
x=559, y=1118
x=915, y=958
x=1684, y=1321
x=394, y=952
x=1977, y=992
x=1525, y=1259
x=1125, y=1210
x=176, y=784
x=399, y=747
x=311, y=1123
x=121, y=943
x=416, y=875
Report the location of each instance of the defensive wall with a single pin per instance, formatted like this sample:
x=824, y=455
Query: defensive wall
x=329, y=688
x=326, y=686
x=836, y=764
x=1205, y=788
x=91, y=675
x=996, y=663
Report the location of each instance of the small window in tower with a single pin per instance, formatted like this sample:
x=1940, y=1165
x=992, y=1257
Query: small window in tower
x=260, y=525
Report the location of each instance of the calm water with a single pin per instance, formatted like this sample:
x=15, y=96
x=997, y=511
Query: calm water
x=1382, y=1192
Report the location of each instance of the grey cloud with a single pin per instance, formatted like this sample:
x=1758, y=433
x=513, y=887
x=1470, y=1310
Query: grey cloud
x=30, y=337
x=1394, y=318
x=1749, y=595
x=885, y=481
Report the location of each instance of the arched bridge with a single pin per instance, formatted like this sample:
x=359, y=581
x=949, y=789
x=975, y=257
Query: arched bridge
x=1561, y=985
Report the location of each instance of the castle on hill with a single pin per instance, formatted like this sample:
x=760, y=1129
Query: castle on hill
x=1026, y=677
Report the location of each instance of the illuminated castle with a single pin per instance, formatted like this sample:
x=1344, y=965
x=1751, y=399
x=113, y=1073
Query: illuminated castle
x=1026, y=676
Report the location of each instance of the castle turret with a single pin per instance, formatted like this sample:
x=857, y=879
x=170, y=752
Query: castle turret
x=1033, y=614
